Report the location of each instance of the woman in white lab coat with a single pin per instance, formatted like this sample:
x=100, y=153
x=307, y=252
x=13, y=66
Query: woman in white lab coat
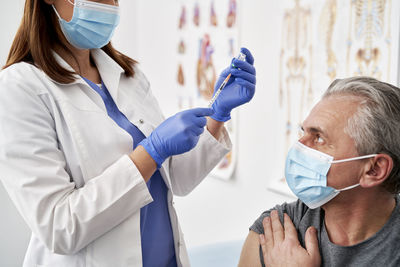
x=85, y=153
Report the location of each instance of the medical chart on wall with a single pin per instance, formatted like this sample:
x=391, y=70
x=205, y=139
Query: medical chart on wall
x=322, y=40
x=207, y=40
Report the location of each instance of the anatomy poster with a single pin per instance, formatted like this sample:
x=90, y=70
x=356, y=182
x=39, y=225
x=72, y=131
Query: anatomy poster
x=207, y=39
x=322, y=40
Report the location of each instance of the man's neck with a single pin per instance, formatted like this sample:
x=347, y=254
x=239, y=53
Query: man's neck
x=350, y=220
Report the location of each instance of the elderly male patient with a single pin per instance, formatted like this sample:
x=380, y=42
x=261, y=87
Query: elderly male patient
x=345, y=172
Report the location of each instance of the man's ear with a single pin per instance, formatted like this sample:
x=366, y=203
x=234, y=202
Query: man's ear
x=376, y=171
x=49, y=2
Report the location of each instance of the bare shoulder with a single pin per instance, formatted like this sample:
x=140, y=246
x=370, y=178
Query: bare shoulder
x=250, y=255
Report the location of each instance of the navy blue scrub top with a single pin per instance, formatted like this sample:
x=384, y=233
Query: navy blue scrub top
x=155, y=225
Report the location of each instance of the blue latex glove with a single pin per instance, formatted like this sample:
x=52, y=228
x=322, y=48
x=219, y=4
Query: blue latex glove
x=177, y=134
x=239, y=89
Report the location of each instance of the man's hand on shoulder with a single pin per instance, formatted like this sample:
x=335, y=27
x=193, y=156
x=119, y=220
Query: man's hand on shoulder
x=281, y=246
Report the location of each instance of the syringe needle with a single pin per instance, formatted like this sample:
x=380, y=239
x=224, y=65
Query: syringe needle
x=241, y=57
x=219, y=91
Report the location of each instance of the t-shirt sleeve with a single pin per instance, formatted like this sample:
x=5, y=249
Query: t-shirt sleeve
x=295, y=210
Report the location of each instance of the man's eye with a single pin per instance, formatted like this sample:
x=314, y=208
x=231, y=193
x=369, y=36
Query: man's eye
x=300, y=133
x=319, y=139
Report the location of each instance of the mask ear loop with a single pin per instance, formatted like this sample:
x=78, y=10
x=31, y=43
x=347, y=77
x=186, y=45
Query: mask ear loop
x=55, y=10
x=347, y=188
x=356, y=158
x=350, y=159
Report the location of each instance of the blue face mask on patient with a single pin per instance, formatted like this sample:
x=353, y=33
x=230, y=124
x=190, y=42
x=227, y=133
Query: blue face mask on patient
x=92, y=24
x=306, y=174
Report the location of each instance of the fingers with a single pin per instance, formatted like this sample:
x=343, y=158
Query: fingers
x=200, y=121
x=192, y=142
x=194, y=120
x=290, y=230
x=249, y=56
x=201, y=112
x=243, y=65
x=244, y=75
x=268, y=235
x=250, y=88
x=196, y=130
x=277, y=228
x=263, y=244
x=311, y=241
x=245, y=83
x=225, y=73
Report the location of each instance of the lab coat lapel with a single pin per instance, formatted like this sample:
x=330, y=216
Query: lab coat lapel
x=95, y=102
x=110, y=72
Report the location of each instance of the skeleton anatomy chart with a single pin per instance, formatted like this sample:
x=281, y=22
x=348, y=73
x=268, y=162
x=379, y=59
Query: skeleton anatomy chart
x=207, y=39
x=322, y=40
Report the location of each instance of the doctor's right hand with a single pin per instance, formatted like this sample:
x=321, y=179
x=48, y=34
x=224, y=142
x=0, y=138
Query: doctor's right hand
x=177, y=134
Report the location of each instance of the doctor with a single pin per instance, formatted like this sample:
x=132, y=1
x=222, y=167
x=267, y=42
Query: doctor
x=85, y=153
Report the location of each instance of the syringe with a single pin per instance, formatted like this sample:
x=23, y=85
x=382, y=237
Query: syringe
x=241, y=57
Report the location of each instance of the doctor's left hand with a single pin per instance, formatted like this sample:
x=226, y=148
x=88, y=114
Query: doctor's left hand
x=240, y=88
x=281, y=246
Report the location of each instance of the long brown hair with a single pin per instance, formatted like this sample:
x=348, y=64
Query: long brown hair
x=38, y=35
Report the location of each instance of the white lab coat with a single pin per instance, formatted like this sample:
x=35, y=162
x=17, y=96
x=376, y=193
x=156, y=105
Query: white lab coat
x=64, y=162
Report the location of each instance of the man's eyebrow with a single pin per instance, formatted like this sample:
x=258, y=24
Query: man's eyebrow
x=314, y=129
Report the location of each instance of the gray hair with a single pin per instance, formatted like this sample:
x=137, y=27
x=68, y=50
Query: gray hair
x=375, y=126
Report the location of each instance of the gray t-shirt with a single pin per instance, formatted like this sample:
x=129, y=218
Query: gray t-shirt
x=382, y=249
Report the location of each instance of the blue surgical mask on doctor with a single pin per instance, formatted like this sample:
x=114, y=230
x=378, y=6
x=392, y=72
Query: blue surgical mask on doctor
x=92, y=24
x=306, y=174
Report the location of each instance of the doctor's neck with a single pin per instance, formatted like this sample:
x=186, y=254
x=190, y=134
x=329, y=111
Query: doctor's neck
x=80, y=61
